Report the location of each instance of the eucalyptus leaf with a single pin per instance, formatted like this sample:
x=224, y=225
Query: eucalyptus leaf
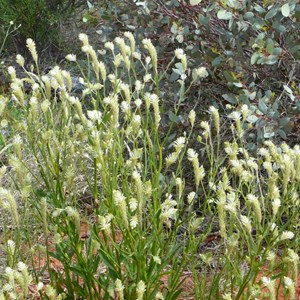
x=284, y=121
x=217, y=61
x=262, y=106
x=290, y=92
x=174, y=76
x=230, y=98
x=288, y=89
x=295, y=48
x=177, y=71
x=285, y=10
x=254, y=57
x=252, y=95
x=173, y=117
x=282, y=134
x=252, y=119
x=280, y=28
x=271, y=13
x=180, y=38
x=259, y=9
x=260, y=135
x=224, y=14
x=238, y=84
x=234, y=114
x=273, y=114
x=248, y=15
x=277, y=51
x=251, y=146
x=270, y=48
x=270, y=60
x=229, y=77
x=195, y=2
x=269, y=134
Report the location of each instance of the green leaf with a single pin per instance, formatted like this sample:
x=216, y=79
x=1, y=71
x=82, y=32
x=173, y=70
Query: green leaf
x=234, y=4
x=180, y=38
x=285, y=10
x=270, y=60
x=262, y=106
x=259, y=9
x=177, y=71
x=260, y=135
x=277, y=51
x=290, y=92
x=217, y=61
x=252, y=119
x=270, y=47
x=234, y=114
x=238, y=84
x=251, y=146
x=195, y=2
x=174, y=76
x=284, y=121
x=248, y=15
x=173, y=117
x=230, y=98
x=229, y=77
x=224, y=14
x=279, y=27
x=288, y=89
x=252, y=95
x=282, y=134
x=254, y=57
x=268, y=135
x=273, y=114
x=294, y=49
x=271, y=13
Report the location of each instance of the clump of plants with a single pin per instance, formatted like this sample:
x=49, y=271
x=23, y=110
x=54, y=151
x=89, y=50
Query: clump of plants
x=104, y=199
x=40, y=20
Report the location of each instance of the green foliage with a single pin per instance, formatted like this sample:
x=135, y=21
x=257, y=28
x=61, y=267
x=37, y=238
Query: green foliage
x=38, y=19
x=250, y=48
x=5, y=32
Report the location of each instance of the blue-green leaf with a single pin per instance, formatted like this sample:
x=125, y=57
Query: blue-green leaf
x=282, y=134
x=285, y=10
x=195, y=2
x=262, y=106
x=252, y=119
x=224, y=14
x=271, y=13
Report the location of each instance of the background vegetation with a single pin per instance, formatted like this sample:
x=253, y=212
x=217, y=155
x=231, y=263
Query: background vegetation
x=41, y=20
x=250, y=49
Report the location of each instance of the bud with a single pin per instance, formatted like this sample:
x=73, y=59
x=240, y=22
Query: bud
x=71, y=57
x=192, y=117
x=152, y=51
x=140, y=290
x=120, y=289
x=32, y=49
